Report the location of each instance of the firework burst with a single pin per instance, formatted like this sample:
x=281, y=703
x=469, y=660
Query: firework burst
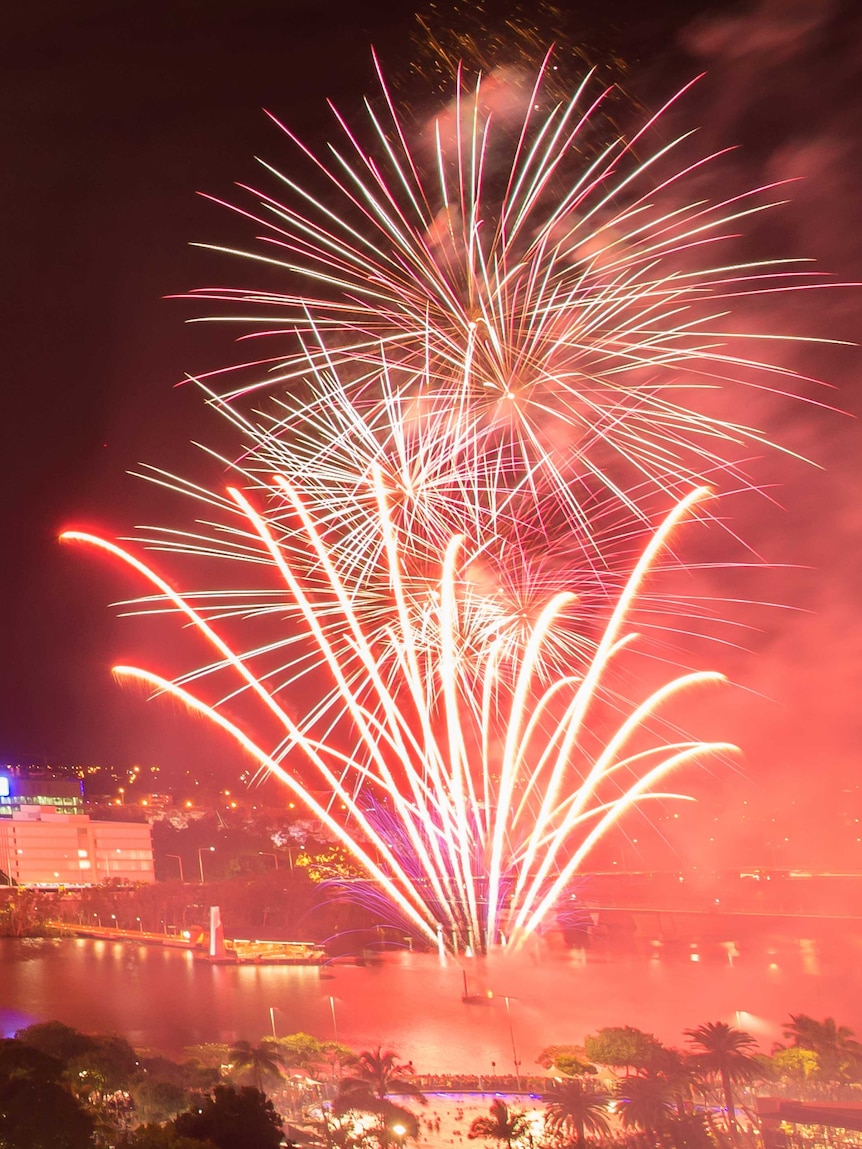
x=514, y=294
x=497, y=344
x=470, y=794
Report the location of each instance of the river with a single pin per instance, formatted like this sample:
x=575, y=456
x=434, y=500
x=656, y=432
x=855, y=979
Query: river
x=163, y=999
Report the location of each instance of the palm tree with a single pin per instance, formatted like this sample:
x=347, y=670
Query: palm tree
x=261, y=1061
x=645, y=1103
x=674, y=1067
x=727, y=1053
x=574, y=1107
x=837, y=1051
x=378, y=1073
x=502, y=1125
x=375, y=1075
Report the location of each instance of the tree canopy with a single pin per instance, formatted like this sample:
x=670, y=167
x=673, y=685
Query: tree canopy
x=622, y=1047
x=502, y=1124
x=570, y=1060
x=38, y=1114
x=575, y=1108
x=233, y=1119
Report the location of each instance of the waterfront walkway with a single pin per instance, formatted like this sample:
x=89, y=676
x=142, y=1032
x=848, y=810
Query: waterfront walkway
x=114, y=933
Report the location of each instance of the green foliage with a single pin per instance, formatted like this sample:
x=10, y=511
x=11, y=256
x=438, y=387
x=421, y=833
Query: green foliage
x=190, y=1074
x=722, y=1051
x=574, y=1109
x=375, y=1073
x=378, y=1072
x=23, y=914
x=41, y=1115
x=163, y=1069
x=796, y=1064
x=157, y=1100
x=233, y=1119
x=839, y=1055
x=645, y=1102
x=17, y=1059
x=108, y=1064
x=161, y=1137
x=256, y=1061
x=301, y=1051
x=689, y=1131
x=622, y=1047
x=502, y=1125
x=210, y=1053
x=570, y=1060
x=56, y=1040
x=726, y=1054
x=89, y=1064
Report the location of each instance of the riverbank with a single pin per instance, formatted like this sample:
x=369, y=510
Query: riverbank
x=234, y=951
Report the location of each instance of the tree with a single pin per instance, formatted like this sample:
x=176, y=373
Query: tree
x=188, y=1075
x=233, y=1119
x=394, y=1122
x=157, y=1100
x=260, y=1061
x=18, y=1059
x=727, y=1053
x=622, y=1047
x=374, y=1075
x=645, y=1102
x=209, y=1053
x=107, y=1064
x=379, y=1073
x=680, y=1074
x=302, y=1051
x=41, y=1115
x=839, y=1055
x=22, y=914
x=573, y=1107
x=502, y=1125
x=55, y=1039
x=570, y=1060
x=689, y=1131
x=161, y=1137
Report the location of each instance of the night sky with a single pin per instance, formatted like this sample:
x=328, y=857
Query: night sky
x=114, y=114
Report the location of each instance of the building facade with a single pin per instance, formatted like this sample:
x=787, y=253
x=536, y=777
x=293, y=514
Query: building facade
x=46, y=839
x=63, y=795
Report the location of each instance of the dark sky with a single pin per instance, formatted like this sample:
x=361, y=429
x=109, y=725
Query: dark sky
x=114, y=114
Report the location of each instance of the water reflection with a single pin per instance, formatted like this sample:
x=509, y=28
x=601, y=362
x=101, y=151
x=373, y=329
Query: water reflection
x=162, y=999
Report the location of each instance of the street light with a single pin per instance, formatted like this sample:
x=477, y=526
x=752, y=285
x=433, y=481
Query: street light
x=334, y=1023
x=514, y=1050
x=268, y=854
x=201, y=853
x=179, y=862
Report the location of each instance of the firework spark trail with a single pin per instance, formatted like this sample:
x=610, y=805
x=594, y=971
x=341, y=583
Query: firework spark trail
x=472, y=836
x=563, y=290
x=448, y=497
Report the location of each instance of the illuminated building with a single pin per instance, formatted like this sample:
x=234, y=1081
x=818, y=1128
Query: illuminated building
x=63, y=795
x=42, y=843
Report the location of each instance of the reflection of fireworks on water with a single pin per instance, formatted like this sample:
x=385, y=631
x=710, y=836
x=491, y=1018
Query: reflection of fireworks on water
x=490, y=394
